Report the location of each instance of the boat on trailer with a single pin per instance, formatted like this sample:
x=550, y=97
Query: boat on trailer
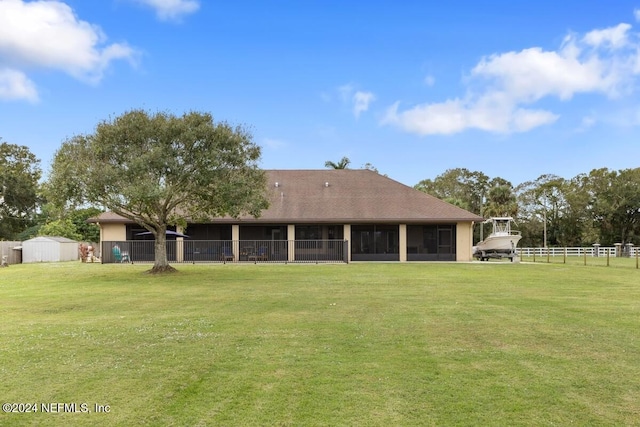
x=502, y=241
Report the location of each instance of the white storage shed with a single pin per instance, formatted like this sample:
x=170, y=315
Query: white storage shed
x=49, y=249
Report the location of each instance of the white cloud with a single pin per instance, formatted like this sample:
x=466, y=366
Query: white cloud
x=358, y=101
x=605, y=61
x=47, y=34
x=532, y=74
x=615, y=37
x=455, y=116
x=361, y=101
x=636, y=14
x=15, y=85
x=168, y=10
x=523, y=120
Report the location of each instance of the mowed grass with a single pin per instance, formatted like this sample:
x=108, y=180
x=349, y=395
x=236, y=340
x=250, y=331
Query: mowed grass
x=491, y=343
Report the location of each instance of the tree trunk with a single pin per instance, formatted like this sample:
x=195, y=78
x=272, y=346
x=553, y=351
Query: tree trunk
x=161, y=264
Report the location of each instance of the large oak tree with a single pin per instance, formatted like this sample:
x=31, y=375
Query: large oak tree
x=19, y=175
x=160, y=170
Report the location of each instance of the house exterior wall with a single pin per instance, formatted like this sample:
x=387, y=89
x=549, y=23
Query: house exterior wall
x=464, y=241
x=113, y=232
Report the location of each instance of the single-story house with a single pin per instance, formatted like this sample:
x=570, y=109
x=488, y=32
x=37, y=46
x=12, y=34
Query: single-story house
x=314, y=215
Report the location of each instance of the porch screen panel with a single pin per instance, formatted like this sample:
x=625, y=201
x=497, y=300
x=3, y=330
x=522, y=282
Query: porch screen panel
x=308, y=232
x=445, y=243
x=375, y=243
x=431, y=242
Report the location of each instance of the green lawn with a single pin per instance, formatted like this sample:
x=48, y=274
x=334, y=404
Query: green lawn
x=491, y=343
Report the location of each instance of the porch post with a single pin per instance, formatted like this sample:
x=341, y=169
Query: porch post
x=235, y=240
x=402, y=242
x=291, y=242
x=347, y=236
x=180, y=245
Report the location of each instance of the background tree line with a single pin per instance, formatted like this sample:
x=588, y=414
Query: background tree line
x=25, y=209
x=602, y=206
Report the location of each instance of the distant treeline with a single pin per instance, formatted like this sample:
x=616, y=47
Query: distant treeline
x=602, y=206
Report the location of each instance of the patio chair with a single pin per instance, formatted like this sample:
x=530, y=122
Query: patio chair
x=120, y=256
x=227, y=254
x=260, y=255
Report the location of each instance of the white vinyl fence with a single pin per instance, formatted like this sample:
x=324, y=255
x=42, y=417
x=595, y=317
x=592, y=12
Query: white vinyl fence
x=599, y=251
x=618, y=255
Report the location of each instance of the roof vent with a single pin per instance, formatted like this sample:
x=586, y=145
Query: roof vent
x=326, y=184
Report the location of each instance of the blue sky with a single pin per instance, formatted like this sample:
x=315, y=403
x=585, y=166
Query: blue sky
x=512, y=89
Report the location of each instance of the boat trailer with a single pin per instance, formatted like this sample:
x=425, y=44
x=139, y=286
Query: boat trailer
x=488, y=254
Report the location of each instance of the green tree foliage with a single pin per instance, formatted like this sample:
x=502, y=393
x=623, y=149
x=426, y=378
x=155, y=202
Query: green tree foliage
x=61, y=228
x=615, y=204
x=543, y=206
x=19, y=176
x=460, y=187
x=602, y=206
x=473, y=191
x=88, y=232
x=579, y=228
x=160, y=170
x=72, y=224
x=501, y=201
x=342, y=164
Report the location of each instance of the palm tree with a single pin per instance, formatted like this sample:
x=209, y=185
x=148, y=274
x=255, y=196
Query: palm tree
x=502, y=202
x=342, y=164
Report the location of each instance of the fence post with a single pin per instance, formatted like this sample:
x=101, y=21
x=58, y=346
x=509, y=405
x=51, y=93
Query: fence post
x=637, y=258
x=564, y=260
x=608, y=252
x=548, y=252
x=585, y=257
x=534, y=255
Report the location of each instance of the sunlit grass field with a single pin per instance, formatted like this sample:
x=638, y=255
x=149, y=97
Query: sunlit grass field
x=493, y=343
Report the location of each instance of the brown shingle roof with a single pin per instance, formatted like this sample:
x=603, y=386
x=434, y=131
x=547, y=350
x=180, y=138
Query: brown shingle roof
x=109, y=217
x=343, y=195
